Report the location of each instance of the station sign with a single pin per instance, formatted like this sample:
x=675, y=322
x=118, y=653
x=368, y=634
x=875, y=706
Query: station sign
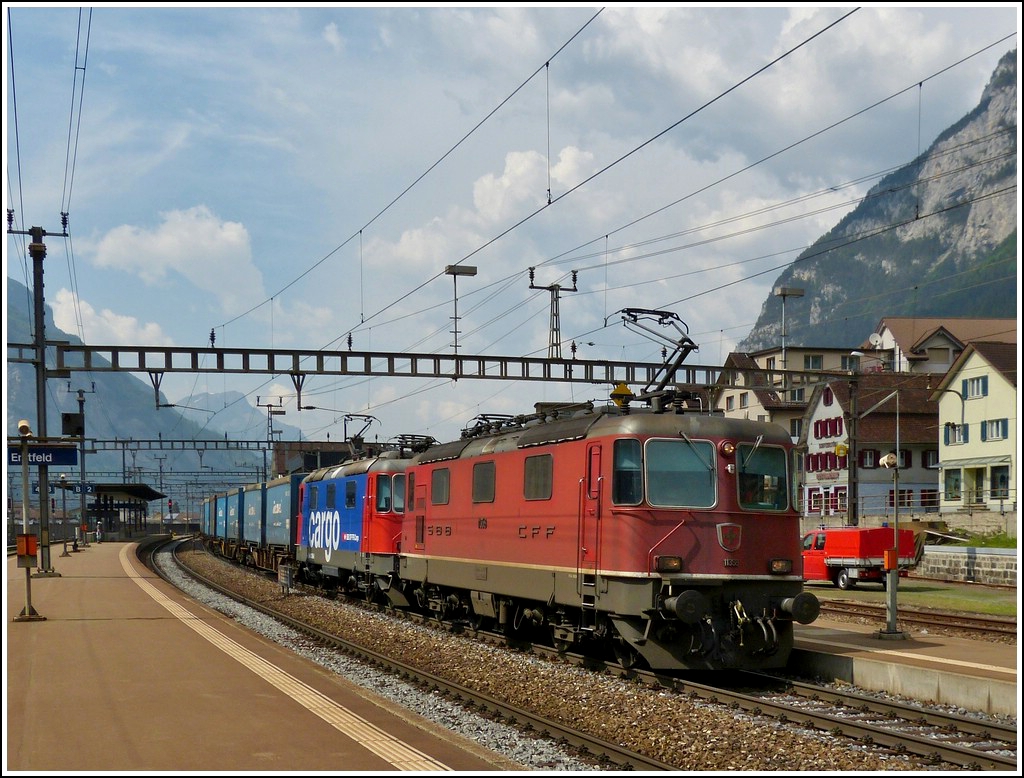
x=43, y=455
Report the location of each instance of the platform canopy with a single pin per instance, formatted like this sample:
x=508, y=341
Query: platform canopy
x=129, y=492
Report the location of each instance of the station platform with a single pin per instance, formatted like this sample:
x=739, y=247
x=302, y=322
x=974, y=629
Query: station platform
x=973, y=674
x=120, y=672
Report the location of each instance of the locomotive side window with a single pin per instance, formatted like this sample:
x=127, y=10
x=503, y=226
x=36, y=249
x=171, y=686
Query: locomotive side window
x=311, y=495
x=398, y=487
x=627, y=477
x=680, y=473
x=410, y=493
x=350, y=494
x=762, y=477
x=537, y=477
x=483, y=482
x=383, y=503
x=439, y=485
x=332, y=490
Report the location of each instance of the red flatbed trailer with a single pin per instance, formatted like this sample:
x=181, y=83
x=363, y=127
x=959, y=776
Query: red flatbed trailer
x=846, y=555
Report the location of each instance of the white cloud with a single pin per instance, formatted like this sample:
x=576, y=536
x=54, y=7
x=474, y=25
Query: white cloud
x=212, y=254
x=501, y=197
x=334, y=38
x=104, y=326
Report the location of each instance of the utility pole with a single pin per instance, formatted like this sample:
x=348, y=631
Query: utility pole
x=852, y=461
x=272, y=411
x=37, y=250
x=554, y=325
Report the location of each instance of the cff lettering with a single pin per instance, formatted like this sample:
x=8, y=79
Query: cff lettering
x=533, y=532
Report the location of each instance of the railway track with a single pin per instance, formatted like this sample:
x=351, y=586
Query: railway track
x=608, y=754
x=962, y=622
x=933, y=737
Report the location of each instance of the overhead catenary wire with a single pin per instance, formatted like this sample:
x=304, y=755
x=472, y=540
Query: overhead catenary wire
x=721, y=180
x=363, y=316
x=619, y=160
x=419, y=178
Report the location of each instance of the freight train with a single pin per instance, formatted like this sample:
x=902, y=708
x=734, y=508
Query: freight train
x=661, y=536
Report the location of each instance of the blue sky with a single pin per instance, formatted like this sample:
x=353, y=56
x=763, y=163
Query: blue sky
x=288, y=176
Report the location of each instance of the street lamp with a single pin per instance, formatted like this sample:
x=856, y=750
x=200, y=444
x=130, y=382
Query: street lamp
x=28, y=613
x=455, y=271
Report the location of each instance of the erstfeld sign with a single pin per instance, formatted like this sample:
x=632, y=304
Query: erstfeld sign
x=43, y=455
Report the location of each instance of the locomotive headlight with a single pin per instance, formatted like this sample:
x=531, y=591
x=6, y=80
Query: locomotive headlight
x=780, y=566
x=668, y=564
x=727, y=448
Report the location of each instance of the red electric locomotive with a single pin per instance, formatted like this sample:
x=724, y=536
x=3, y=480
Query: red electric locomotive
x=665, y=535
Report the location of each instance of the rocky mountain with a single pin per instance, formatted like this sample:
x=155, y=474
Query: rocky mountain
x=936, y=238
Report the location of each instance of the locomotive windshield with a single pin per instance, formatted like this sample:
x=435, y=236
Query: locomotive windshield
x=761, y=477
x=391, y=492
x=680, y=473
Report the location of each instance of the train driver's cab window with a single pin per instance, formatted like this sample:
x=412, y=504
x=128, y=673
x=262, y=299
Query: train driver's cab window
x=680, y=472
x=383, y=483
x=627, y=475
x=398, y=488
x=761, y=477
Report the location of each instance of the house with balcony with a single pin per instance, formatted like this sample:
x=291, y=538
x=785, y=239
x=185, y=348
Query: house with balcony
x=978, y=416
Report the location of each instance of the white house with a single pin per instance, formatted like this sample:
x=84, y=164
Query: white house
x=978, y=416
x=851, y=426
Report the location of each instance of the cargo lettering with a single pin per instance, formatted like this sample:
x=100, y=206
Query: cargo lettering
x=325, y=532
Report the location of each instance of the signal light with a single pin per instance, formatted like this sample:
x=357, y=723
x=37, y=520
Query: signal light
x=780, y=566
